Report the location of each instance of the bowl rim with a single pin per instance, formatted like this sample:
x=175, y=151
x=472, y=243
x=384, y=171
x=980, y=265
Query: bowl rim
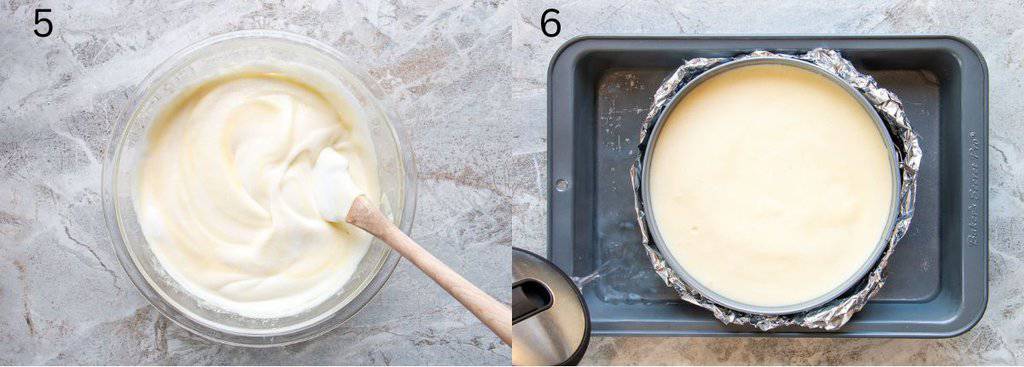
x=343, y=312
x=855, y=277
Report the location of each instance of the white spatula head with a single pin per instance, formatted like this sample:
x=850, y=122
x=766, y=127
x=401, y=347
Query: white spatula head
x=333, y=188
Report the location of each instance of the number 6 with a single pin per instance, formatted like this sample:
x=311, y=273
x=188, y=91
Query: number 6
x=544, y=23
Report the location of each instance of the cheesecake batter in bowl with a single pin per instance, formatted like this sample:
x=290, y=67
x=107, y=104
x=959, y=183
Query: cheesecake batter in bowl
x=227, y=193
x=211, y=191
x=770, y=185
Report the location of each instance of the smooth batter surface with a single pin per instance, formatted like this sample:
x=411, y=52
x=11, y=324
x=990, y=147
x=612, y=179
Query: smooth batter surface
x=227, y=192
x=770, y=185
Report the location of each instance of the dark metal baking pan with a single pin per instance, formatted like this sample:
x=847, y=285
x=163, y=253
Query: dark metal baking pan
x=599, y=89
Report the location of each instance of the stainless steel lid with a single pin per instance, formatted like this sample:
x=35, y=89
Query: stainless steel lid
x=550, y=322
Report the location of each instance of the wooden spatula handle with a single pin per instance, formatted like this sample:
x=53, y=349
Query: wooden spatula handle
x=496, y=315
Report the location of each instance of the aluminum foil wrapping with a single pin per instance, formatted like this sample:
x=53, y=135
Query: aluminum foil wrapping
x=836, y=313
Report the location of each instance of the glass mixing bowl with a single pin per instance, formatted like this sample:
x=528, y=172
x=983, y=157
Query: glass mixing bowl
x=210, y=58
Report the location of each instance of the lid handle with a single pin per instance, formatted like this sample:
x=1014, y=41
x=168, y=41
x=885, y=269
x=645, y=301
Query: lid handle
x=529, y=297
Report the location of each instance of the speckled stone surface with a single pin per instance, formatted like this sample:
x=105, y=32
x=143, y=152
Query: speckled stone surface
x=467, y=79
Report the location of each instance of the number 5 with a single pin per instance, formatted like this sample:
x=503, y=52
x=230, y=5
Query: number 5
x=49, y=25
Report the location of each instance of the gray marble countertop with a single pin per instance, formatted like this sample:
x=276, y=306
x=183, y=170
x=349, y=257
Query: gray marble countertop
x=467, y=79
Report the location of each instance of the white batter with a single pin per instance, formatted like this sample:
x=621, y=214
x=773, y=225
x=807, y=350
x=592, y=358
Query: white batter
x=228, y=188
x=758, y=197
